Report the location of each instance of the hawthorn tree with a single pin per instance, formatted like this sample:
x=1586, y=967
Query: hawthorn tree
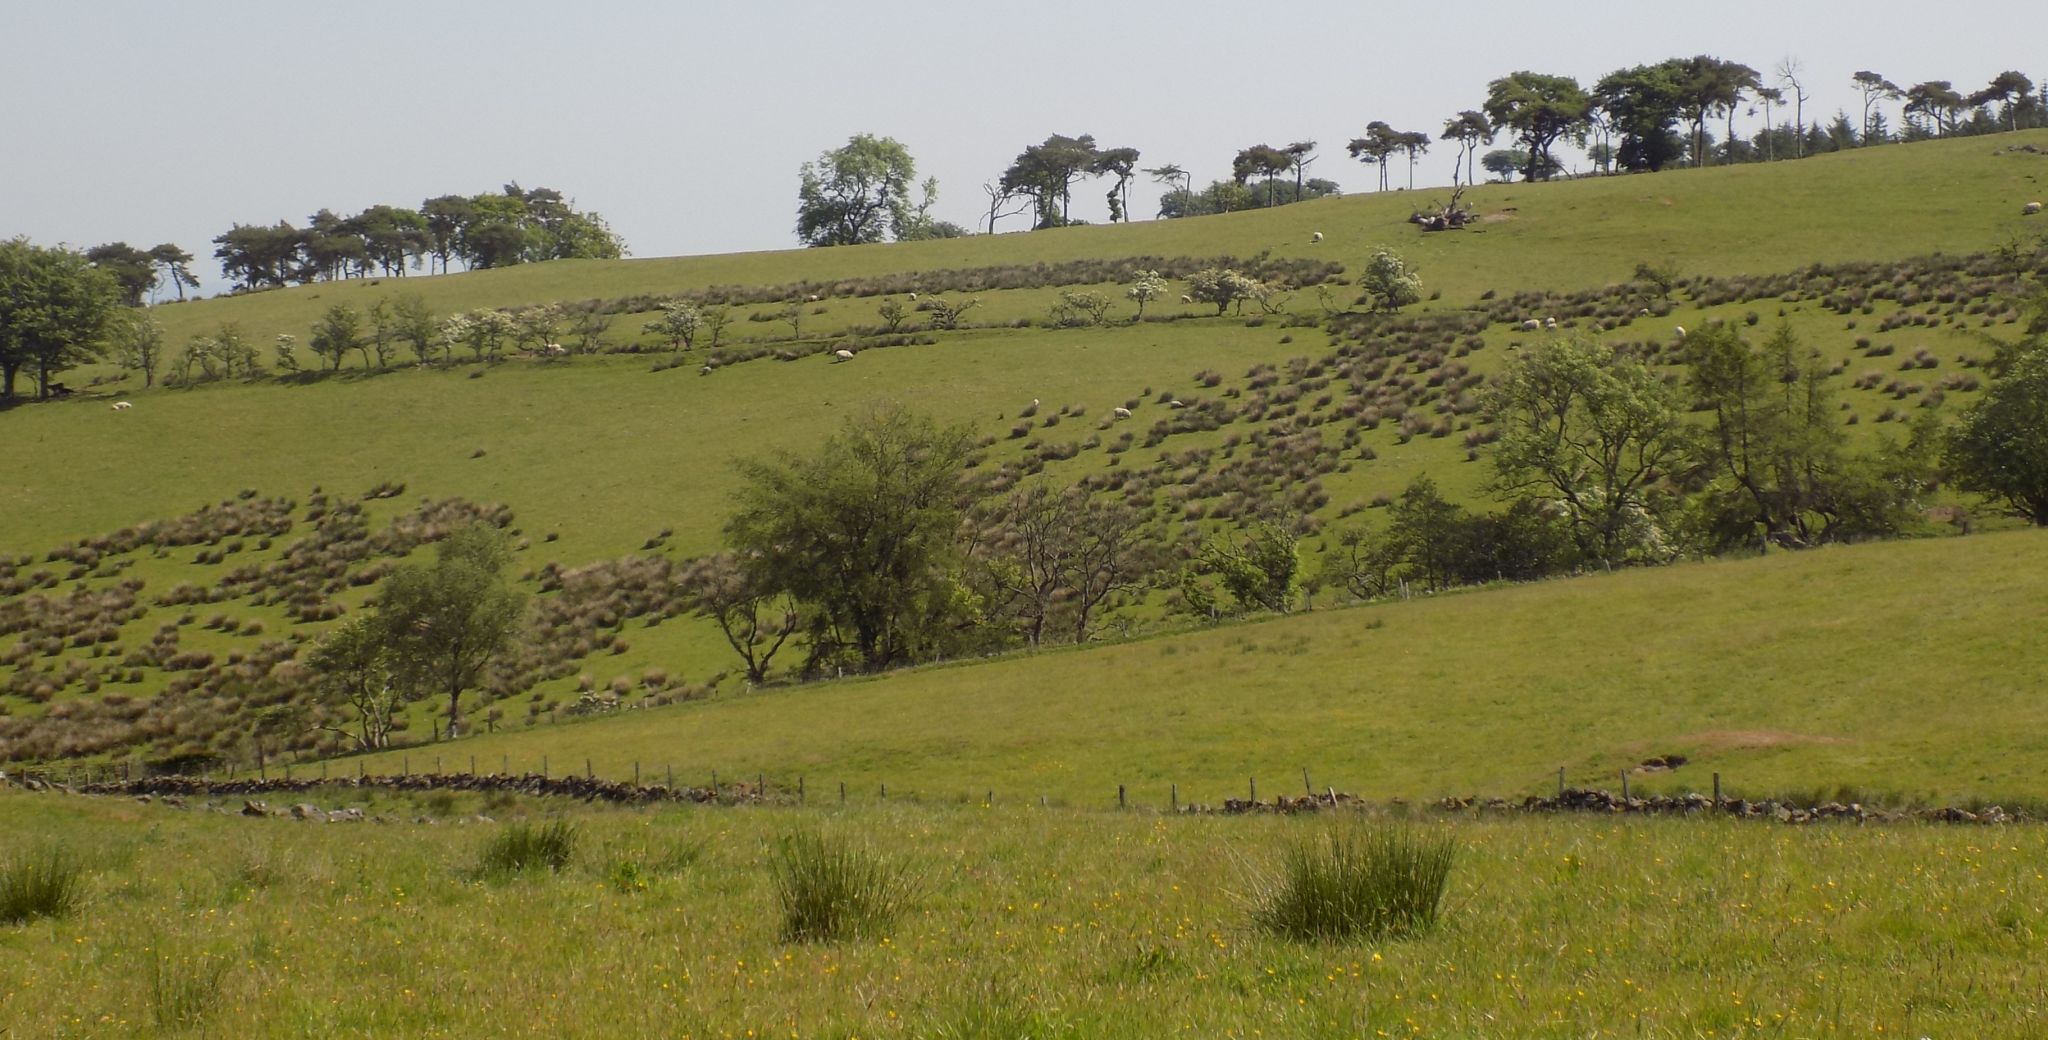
x=860, y=536
x=445, y=621
x=1595, y=430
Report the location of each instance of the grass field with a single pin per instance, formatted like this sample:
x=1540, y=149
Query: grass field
x=1899, y=671
x=1029, y=923
x=599, y=455
x=1903, y=672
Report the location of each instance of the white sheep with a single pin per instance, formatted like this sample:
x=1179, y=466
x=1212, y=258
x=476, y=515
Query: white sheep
x=122, y=406
x=1550, y=323
x=555, y=350
x=1176, y=403
x=1122, y=413
x=812, y=298
x=1185, y=298
x=913, y=297
x=1034, y=402
x=842, y=355
x=1317, y=237
x=2031, y=208
x=1531, y=324
x=1680, y=329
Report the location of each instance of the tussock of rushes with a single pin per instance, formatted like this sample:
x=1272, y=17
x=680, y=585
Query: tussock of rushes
x=830, y=889
x=1356, y=881
x=521, y=847
x=183, y=992
x=46, y=883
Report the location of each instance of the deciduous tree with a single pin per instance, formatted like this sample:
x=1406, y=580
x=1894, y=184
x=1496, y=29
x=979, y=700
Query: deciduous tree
x=860, y=534
x=445, y=621
x=1538, y=109
x=854, y=194
x=1595, y=430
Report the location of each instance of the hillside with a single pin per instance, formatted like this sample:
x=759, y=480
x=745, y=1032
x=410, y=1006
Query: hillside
x=1812, y=674
x=1885, y=260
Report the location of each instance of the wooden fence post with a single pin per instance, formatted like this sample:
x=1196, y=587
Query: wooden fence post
x=1120, y=796
x=1173, y=796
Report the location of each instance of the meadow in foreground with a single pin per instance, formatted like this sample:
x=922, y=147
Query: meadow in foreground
x=1023, y=922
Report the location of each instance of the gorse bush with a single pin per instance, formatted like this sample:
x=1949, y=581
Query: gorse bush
x=44, y=883
x=830, y=889
x=521, y=847
x=1356, y=881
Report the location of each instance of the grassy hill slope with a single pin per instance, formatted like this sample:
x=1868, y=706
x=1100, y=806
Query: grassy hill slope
x=1905, y=669
x=596, y=455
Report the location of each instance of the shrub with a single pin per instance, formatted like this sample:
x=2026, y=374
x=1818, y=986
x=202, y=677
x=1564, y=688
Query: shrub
x=45, y=883
x=520, y=847
x=1356, y=882
x=830, y=889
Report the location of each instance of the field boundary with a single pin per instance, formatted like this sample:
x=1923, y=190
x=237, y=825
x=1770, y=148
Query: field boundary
x=176, y=789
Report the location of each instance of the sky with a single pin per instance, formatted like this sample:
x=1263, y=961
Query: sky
x=684, y=123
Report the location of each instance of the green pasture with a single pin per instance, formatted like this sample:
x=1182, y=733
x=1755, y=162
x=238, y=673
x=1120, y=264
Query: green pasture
x=1900, y=672
x=1026, y=923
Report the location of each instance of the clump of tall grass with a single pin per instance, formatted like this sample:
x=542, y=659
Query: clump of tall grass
x=1356, y=881
x=184, y=991
x=44, y=883
x=520, y=847
x=829, y=888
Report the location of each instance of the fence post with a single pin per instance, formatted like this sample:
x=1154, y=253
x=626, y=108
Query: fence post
x=588, y=773
x=1173, y=796
x=1255, y=790
x=799, y=789
x=1120, y=796
x=1306, y=787
x=885, y=790
x=1717, y=790
x=636, y=772
x=842, y=792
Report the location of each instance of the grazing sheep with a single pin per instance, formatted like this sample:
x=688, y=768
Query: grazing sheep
x=1176, y=403
x=2031, y=208
x=812, y=298
x=1317, y=237
x=555, y=350
x=913, y=297
x=1550, y=323
x=1531, y=324
x=1185, y=298
x=1680, y=329
x=705, y=371
x=842, y=355
x=1644, y=313
x=1034, y=402
x=122, y=406
x=1122, y=413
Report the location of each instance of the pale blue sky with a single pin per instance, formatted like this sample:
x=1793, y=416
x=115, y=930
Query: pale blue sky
x=684, y=123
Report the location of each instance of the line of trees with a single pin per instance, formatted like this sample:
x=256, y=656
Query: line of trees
x=1638, y=119
x=491, y=229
